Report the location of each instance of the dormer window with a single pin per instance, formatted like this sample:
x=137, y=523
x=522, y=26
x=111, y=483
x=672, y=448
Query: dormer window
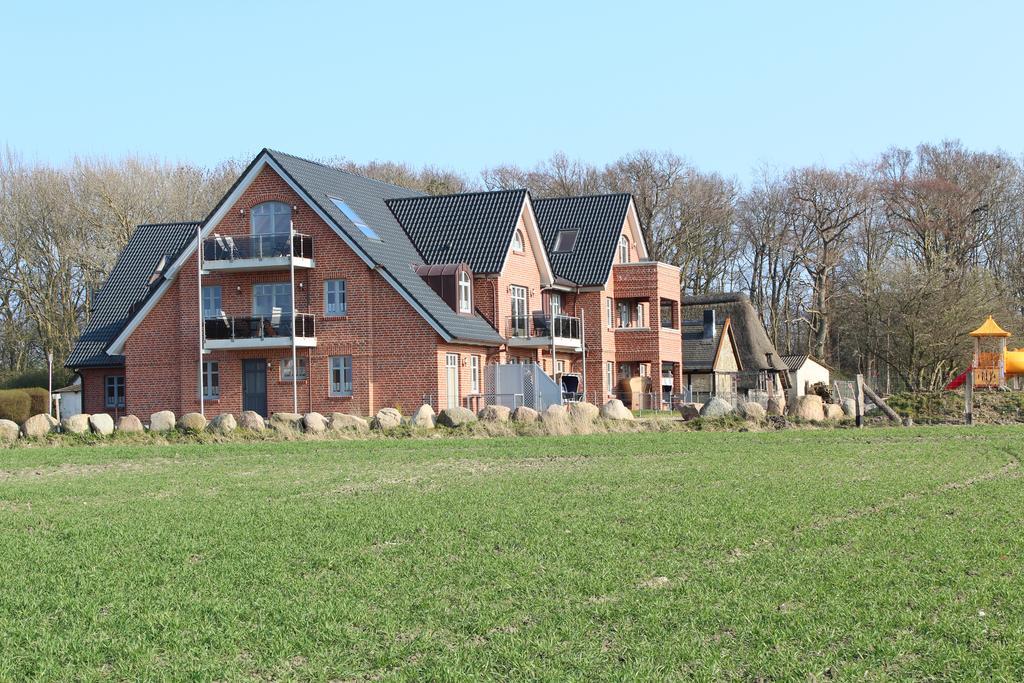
x=566, y=240
x=271, y=218
x=517, y=241
x=465, y=293
x=623, y=249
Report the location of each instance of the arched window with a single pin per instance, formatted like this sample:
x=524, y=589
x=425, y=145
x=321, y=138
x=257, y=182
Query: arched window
x=623, y=249
x=517, y=241
x=465, y=293
x=271, y=218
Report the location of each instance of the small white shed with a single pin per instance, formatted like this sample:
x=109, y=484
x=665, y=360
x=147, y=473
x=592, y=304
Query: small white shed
x=804, y=371
x=69, y=399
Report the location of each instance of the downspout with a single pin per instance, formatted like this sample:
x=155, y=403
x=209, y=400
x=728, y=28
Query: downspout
x=202, y=324
x=291, y=269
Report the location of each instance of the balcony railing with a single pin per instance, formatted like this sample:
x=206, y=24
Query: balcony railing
x=235, y=328
x=257, y=247
x=541, y=325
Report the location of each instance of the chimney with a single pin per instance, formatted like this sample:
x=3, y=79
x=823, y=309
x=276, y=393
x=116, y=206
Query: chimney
x=709, y=323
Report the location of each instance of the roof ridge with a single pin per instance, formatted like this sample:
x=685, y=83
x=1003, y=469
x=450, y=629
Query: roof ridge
x=167, y=224
x=458, y=194
x=583, y=196
x=342, y=170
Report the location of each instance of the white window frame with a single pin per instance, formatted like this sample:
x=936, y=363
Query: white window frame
x=560, y=367
x=278, y=225
x=119, y=385
x=452, y=362
x=276, y=289
x=338, y=289
x=518, y=244
x=286, y=369
x=341, y=365
x=610, y=309
x=212, y=296
x=465, y=292
x=211, y=388
x=609, y=376
x=555, y=304
x=623, y=249
x=640, y=315
x=474, y=374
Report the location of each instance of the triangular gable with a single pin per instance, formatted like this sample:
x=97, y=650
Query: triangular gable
x=726, y=333
x=540, y=253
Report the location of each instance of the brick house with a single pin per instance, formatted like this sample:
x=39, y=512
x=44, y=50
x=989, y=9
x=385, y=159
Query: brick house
x=312, y=288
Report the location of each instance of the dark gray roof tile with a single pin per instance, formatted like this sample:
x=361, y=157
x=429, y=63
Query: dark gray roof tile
x=598, y=218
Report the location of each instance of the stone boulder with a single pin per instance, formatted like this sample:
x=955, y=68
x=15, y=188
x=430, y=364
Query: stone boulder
x=834, y=411
x=455, y=417
x=583, y=412
x=314, y=423
x=76, y=424
x=716, y=407
x=286, y=422
x=776, y=406
x=495, y=413
x=341, y=422
x=525, y=414
x=162, y=422
x=39, y=425
x=8, y=431
x=251, y=420
x=192, y=422
x=809, y=407
x=754, y=411
x=386, y=418
x=689, y=411
x=129, y=424
x=101, y=424
x=850, y=407
x=224, y=423
x=554, y=413
x=616, y=410
x=424, y=417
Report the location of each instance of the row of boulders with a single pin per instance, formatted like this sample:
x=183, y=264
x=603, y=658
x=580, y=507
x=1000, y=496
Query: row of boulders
x=311, y=423
x=811, y=408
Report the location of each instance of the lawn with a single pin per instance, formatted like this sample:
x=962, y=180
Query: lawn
x=879, y=554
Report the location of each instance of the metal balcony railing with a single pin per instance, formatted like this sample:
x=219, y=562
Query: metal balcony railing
x=233, y=248
x=259, y=326
x=542, y=325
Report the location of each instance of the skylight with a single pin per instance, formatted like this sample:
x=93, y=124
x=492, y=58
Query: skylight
x=354, y=217
x=566, y=240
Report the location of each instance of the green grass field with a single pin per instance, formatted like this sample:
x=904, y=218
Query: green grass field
x=882, y=554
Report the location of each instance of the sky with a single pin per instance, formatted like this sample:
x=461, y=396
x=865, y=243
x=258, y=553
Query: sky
x=730, y=86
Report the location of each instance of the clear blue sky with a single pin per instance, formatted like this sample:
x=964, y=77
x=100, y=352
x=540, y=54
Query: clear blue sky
x=728, y=85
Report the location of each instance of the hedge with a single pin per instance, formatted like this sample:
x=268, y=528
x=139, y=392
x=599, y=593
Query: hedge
x=16, y=405
x=40, y=399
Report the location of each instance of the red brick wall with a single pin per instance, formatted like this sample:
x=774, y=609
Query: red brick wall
x=94, y=389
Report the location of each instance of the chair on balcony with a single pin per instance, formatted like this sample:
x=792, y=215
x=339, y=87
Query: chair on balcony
x=540, y=324
x=272, y=325
x=231, y=249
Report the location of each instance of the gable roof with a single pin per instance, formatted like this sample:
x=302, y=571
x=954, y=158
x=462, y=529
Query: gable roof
x=472, y=227
x=392, y=255
x=700, y=354
x=794, y=362
x=599, y=220
x=752, y=341
x=126, y=287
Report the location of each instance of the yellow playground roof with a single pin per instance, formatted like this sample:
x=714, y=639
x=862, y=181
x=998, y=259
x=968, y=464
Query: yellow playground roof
x=990, y=328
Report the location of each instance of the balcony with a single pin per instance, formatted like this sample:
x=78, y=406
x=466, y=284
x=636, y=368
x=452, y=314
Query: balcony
x=224, y=253
x=259, y=331
x=540, y=330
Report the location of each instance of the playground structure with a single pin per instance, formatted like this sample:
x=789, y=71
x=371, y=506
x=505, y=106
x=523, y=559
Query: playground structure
x=991, y=363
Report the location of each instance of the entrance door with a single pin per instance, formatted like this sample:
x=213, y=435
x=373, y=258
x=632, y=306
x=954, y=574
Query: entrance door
x=451, y=365
x=254, y=385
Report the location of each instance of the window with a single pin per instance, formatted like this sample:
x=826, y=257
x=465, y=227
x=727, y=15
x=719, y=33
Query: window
x=341, y=375
x=645, y=370
x=560, y=367
x=623, y=249
x=286, y=370
x=623, y=314
x=517, y=241
x=609, y=309
x=474, y=374
x=115, y=391
x=555, y=304
x=640, y=315
x=566, y=240
x=666, y=313
x=520, y=323
x=211, y=301
x=609, y=376
x=265, y=298
x=465, y=293
x=335, y=298
x=354, y=217
x=271, y=218
x=211, y=380
x=624, y=371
